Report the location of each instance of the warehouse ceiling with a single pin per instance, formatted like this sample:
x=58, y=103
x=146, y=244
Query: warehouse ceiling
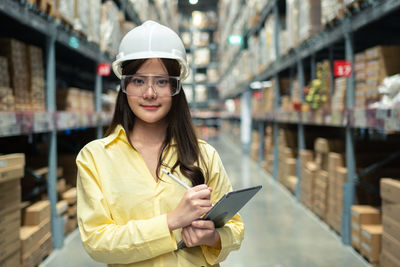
x=186, y=8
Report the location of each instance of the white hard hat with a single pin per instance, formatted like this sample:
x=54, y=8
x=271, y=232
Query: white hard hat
x=151, y=40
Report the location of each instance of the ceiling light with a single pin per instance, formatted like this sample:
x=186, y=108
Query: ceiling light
x=193, y=2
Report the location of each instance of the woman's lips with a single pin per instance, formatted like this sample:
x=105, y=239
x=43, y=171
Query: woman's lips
x=150, y=107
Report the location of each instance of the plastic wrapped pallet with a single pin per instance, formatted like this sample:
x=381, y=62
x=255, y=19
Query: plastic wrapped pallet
x=110, y=32
x=292, y=22
x=339, y=95
x=309, y=19
x=270, y=40
x=65, y=10
x=94, y=21
x=331, y=9
x=82, y=16
x=15, y=52
x=36, y=78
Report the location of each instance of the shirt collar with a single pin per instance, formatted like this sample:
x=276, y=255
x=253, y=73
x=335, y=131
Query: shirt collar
x=119, y=132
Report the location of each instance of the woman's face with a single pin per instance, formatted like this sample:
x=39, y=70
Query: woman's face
x=150, y=108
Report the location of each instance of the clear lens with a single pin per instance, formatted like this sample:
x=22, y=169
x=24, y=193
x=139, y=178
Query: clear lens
x=139, y=84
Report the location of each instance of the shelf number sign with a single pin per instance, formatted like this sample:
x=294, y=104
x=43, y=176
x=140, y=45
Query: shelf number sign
x=103, y=69
x=342, y=68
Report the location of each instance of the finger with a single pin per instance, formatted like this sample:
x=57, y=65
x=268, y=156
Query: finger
x=205, y=203
x=204, y=194
x=192, y=236
x=203, y=224
x=189, y=238
x=199, y=187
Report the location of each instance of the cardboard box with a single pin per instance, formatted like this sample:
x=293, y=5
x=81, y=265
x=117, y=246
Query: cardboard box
x=12, y=261
x=11, y=172
x=391, y=227
x=62, y=207
x=391, y=245
x=371, y=236
x=9, y=249
x=16, y=159
x=42, y=249
x=70, y=196
x=362, y=214
x=388, y=260
x=37, y=213
x=391, y=210
x=31, y=235
x=390, y=190
x=10, y=200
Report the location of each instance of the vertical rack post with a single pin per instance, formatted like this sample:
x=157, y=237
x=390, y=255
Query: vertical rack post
x=349, y=186
x=261, y=133
x=57, y=223
x=275, y=170
x=97, y=96
x=313, y=67
x=300, y=132
x=245, y=118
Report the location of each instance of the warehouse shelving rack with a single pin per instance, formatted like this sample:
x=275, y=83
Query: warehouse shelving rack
x=343, y=32
x=37, y=25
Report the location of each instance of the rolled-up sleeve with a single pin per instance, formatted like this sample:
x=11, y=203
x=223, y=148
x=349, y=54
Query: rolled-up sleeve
x=103, y=239
x=232, y=233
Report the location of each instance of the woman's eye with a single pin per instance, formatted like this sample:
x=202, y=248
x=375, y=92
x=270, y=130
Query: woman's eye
x=163, y=82
x=137, y=81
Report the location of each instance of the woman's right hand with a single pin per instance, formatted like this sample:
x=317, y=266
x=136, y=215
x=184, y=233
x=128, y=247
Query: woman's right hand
x=194, y=203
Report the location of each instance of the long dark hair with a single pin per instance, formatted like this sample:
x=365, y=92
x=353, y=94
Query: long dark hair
x=180, y=126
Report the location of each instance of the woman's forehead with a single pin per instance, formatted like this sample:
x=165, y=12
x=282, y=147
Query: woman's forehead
x=153, y=66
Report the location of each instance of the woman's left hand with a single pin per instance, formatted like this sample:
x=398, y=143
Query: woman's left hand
x=201, y=232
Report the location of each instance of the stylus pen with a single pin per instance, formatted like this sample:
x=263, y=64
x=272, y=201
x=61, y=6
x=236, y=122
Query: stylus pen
x=175, y=178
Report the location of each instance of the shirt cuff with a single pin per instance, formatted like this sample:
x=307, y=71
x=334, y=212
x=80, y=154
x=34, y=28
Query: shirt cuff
x=214, y=256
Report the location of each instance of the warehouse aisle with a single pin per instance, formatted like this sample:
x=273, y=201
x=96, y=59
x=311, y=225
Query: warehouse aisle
x=279, y=231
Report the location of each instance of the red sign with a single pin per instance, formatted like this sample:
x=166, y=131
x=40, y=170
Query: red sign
x=103, y=69
x=257, y=95
x=342, y=68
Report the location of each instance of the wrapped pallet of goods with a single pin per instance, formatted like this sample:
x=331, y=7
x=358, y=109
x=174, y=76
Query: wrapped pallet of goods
x=94, y=21
x=331, y=10
x=65, y=11
x=36, y=78
x=15, y=52
x=309, y=19
x=35, y=234
x=292, y=23
x=109, y=28
x=11, y=170
x=7, y=101
x=82, y=17
x=390, y=194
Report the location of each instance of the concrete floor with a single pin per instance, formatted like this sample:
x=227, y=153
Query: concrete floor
x=280, y=232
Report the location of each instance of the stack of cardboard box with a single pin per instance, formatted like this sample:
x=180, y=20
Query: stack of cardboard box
x=269, y=150
x=390, y=193
x=11, y=170
x=360, y=67
x=381, y=61
x=16, y=54
x=362, y=215
x=309, y=19
x=35, y=234
x=336, y=180
x=70, y=197
x=7, y=101
x=36, y=78
x=307, y=177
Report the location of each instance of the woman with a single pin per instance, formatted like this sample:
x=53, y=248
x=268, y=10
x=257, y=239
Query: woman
x=129, y=212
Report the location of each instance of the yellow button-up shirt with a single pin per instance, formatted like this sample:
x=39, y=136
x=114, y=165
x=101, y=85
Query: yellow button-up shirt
x=122, y=210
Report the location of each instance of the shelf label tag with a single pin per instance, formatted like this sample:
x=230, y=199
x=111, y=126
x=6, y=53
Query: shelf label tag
x=103, y=69
x=342, y=68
